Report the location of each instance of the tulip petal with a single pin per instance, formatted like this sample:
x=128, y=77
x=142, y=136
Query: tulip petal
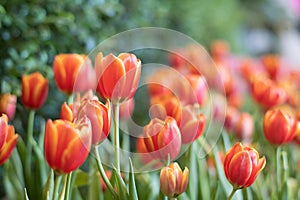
x=240, y=169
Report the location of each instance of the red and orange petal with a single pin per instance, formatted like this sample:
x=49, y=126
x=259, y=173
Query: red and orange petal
x=66, y=112
x=239, y=169
x=34, y=90
x=9, y=145
x=66, y=68
x=65, y=149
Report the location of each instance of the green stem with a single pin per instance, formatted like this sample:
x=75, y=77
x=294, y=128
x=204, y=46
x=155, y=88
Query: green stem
x=232, y=193
x=116, y=107
x=68, y=187
x=70, y=99
x=103, y=174
x=29, y=149
x=278, y=170
x=63, y=192
x=56, y=186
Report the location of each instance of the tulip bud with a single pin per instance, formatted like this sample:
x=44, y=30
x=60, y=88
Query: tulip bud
x=242, y=165
x=118, y=77
x=8, y=105
x=280, y=126
x=34, y=90
x=67, y=144
x=8, y=139
x=173, y=181
x=162, y=138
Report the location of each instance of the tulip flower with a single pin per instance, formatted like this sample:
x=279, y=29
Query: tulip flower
x=242, y=165
x=280, y=126
x=173, y=181
x=267, y=93
x=8, y=139
x=165, y=105
x=34, y=90
x=99, y=116
x=8, y=105
x=271, y=64
x=244, y=127
x=67, y=144
x=192, y=125
x=118, y=77
x=73, y=73
x=162, y=138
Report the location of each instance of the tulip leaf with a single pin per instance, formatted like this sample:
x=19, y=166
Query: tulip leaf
x=132, y=188
x=121, y=186
x=82, y=178
x=49, y=186
x=204, y=185
x=94, y=189
x=12, y=183
x=25, y=194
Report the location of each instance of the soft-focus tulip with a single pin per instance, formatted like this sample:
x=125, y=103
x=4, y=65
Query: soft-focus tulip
x=99, y=116
x=73, y=73
x=173, y=181
x=267, y=93
x=34, y=90
x=67, y=144
x=165, y=105
x=197, y=91
x=118, y=77
x=244, y=126
x=192, y=124
x=8, y=105
x=162, y=138
x=271, y=64
x=8, y=139
x=280, y=126
x=242, y=165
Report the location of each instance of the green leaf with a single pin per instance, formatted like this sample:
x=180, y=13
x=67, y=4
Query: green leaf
x=49, y=186
x=122, y=189
x=82, y=178
x=132, y=188
x=25, y=194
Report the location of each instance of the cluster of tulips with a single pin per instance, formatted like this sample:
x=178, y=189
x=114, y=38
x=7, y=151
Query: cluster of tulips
x=256, y=102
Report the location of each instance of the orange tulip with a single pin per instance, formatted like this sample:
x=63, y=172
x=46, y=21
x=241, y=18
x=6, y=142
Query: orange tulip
x=280, y=126
x=162, y=138
x=194, y=90
x=34, y=90
x=8, y=105
x=73, y=73
x=118, y=77
x=8, y=139
x=67, y=144
x=271, y=64
x=173, y=181
x=267, y=93
x=242, y=165
x=165, y=105
x=99, y=116
x=192, y=125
